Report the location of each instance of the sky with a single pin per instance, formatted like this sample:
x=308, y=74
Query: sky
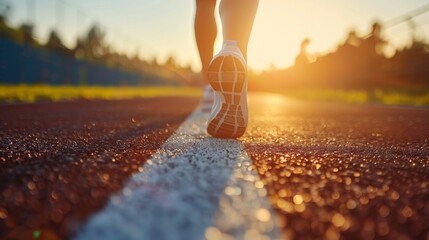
x=164, y=28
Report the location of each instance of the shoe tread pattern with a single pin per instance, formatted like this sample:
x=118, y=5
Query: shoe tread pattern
x=227, y=76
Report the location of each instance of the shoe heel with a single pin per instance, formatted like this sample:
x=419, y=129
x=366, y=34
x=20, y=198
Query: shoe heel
x=227, y=75
x=228, y=123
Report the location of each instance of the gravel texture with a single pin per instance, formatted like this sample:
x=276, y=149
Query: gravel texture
x=193, y=187
x=60, y=162
x=331, y=171
x=339, y=171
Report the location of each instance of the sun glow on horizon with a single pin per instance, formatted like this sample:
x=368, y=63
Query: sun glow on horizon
x=161, y=29
x=280, y=27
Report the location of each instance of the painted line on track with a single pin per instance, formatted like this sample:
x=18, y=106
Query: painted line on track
x=193, y=187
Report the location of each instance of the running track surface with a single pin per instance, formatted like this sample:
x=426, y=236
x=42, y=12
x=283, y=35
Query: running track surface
x=328, y=170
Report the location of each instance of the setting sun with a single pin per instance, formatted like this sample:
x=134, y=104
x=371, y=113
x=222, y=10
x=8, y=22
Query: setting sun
x=280, y=26
x=160, y=29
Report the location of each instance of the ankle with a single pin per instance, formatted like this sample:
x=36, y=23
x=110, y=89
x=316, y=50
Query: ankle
x=230, y=43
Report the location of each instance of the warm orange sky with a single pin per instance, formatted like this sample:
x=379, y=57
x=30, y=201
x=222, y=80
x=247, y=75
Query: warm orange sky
x=160, y=28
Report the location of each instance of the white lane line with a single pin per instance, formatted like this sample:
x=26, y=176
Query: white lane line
x=194, y=187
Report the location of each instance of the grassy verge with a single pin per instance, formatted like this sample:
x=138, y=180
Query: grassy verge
x=33, y=93
x=360, y=97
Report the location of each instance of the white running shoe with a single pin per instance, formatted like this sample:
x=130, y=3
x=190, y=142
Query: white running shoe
x=208, y=99
x=227, y=75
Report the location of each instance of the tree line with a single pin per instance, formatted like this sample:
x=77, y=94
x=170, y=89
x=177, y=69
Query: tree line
x=357, y=63
x=92, y=47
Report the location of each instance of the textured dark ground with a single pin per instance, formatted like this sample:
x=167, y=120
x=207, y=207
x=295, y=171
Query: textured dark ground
x=331, y=170
x=59, y=162
x=343, y=171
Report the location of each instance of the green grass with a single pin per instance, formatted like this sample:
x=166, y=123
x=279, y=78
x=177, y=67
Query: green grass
x=401, y=98
x=420, y=98
x=33, y=93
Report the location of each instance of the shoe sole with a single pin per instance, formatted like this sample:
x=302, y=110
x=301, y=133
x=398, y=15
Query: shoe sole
x=227, y=76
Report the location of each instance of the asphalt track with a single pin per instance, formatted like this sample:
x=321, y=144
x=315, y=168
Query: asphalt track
x=60, y=162
x=330, y=170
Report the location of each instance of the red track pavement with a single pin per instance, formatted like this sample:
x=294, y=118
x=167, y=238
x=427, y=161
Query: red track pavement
x=59, y=162
x=331, y=170
x=343, y=170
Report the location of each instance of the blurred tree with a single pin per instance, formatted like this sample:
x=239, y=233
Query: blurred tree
x=353, y=39
x=93, y=44
x=3, y=24
x=78, y=50
x=4, y=10
x=409, y=65
x=5, y=30
x=371, y=52
x=26, y=34
x=170, y=63
x=55, y=44
x=302, y=58
x=373, y=44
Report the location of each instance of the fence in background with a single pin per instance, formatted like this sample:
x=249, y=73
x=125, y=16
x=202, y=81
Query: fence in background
x=22, y=64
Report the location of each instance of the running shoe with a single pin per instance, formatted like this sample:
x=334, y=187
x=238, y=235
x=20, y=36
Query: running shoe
x=227, y=76
x=208, y=96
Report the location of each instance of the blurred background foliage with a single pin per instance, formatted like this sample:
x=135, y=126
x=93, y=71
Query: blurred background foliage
x=356, y=71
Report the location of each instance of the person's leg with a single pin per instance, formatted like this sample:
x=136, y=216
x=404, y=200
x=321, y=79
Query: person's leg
x=237, y=20
x=205, y=35
x=227, y=73
x=205, y=31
